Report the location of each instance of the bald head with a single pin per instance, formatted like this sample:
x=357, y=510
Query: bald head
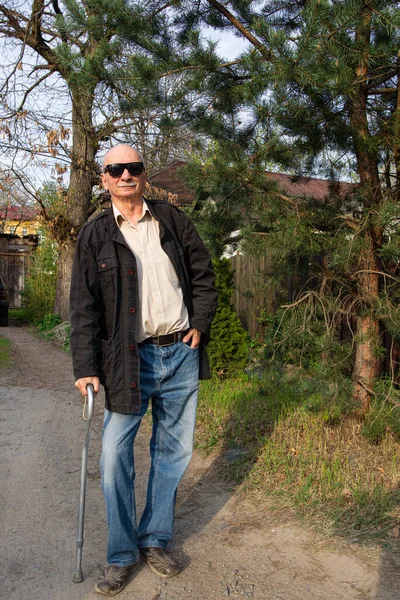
x=122, y=153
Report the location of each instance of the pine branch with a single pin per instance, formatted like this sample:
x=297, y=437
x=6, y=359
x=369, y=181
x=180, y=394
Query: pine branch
x=243, y=30
x=352, y=223
x=161, y=9
x=58, y=12
x=192, y=68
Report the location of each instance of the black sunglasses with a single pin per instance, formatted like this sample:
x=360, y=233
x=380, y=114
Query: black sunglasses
x=116, y=169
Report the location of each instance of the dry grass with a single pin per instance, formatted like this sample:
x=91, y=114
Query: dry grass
x=292, y=453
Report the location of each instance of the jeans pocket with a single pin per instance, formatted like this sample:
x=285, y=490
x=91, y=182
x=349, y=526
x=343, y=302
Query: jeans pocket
x=187, y=344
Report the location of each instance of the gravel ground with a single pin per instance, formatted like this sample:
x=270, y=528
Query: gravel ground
x=231, y=548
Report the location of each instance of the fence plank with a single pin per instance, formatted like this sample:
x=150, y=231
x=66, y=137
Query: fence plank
x=253, y=292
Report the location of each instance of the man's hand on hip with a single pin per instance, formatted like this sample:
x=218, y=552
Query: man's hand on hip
x=193, y=336
x=82, y=383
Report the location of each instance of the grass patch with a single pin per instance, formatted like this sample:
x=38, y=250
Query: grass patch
x=20, y=315
x=303, y=454
x=5, y=353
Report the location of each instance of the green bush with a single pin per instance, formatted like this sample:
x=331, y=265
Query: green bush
x=48, y=322
x=40, y=283
x=228, y=350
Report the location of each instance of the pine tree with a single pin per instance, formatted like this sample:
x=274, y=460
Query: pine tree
x=318, y=92
x=227, y=350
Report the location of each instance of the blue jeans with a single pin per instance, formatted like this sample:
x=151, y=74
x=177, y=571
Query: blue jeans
x=169, y=376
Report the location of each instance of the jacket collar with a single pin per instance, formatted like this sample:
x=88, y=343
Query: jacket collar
x=114, y=231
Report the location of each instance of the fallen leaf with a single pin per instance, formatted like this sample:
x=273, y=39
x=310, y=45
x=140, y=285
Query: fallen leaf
x=395, y=532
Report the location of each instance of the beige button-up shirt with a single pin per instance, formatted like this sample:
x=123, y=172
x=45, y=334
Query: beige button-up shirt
x=162, y=309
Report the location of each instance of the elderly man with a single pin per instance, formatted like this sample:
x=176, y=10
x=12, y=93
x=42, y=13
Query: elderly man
x=142, y=302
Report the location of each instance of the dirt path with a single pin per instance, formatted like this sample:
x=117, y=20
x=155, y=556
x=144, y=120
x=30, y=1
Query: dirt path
x=232, y=549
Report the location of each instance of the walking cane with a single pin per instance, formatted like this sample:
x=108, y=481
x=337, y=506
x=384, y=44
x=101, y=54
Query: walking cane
x=78, y=576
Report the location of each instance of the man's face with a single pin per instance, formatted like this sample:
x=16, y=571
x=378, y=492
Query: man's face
x=126, y=187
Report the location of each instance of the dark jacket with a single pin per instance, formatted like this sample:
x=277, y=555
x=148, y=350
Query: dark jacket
x=104, y=300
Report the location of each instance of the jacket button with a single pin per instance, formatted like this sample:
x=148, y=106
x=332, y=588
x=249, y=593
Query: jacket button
x=132, y=310
x=104, y=265
x=133, y=384
x=131, y=347
x=131, y=272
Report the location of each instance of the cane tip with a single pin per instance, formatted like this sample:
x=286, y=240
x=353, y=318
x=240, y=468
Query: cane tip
x=77, y=577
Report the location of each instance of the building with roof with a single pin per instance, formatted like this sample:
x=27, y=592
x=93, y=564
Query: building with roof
x=19, y=220
x=19, y=233
x=169, y=184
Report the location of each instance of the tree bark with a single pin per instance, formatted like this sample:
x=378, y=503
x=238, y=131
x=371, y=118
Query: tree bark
x=367, y=362
x=396, y=145
x=83, y=176
x=61, y=304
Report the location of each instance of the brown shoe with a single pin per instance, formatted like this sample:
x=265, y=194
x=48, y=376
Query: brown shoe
x=114, y=579
x=160, y=562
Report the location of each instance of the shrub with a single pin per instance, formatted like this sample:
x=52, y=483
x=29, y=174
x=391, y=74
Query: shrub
x=228, y=350
x=48, y=322
x=40, y=283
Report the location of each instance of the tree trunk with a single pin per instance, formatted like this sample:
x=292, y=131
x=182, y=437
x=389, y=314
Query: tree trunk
x=83, y=176
x=366, y=367
x=367, y=362
x=61, y=304
x=396, y=137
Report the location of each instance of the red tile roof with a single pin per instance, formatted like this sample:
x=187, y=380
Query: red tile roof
x=168, y=184
x=311, y=187
x=18, y=213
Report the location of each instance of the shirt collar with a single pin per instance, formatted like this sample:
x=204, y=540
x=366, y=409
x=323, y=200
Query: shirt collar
x=119, y=217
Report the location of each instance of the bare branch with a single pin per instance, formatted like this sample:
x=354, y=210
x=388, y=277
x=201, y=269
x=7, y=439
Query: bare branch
x=396, y=279
x=18, y=27
x=31, y=88
x=376, y=92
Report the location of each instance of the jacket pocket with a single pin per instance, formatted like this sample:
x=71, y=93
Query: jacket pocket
x=108, y=270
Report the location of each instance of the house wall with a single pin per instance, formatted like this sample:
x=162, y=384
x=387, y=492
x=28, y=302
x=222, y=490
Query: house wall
x=21, y=228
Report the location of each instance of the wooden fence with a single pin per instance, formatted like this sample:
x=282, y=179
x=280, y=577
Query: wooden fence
x=254, y=292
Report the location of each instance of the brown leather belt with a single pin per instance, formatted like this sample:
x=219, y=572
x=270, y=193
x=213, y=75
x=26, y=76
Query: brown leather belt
x=166, y=340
